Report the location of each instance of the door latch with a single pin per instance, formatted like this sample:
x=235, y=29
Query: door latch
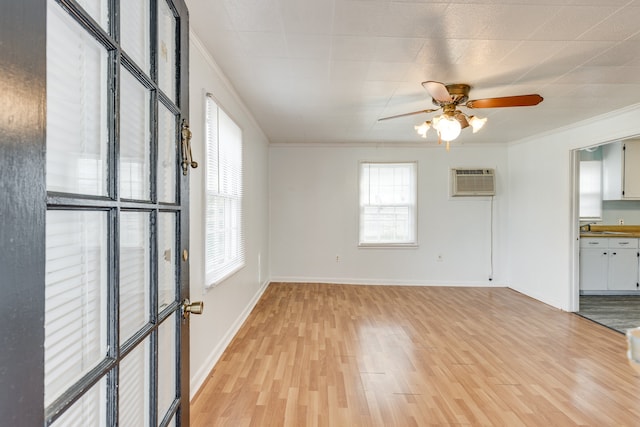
x=189, y=307
x=187, y=157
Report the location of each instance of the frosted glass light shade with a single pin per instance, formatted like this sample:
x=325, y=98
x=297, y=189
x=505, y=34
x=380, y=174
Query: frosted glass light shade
x=477, y=123
x=449, y=128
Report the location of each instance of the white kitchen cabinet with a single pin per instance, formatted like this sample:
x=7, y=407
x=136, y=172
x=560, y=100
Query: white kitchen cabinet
x=621, y=170
x=623, y=265
x=594, y=264
x=609, y=265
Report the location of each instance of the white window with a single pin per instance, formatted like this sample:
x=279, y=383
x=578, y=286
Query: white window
x=591, y=190
x=224, y=242
x=388, y=204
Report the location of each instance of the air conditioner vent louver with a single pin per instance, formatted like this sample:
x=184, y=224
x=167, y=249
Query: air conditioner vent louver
x=473, y=182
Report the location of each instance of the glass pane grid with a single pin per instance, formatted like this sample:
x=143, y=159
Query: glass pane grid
x=166, y=50
x=135, y=138
x=75, y=297
x=167, y=362
x=77, y=133
x=135, y=280
x=134, y=387
x=144, y=286
x=135, y=35
x=89, y=411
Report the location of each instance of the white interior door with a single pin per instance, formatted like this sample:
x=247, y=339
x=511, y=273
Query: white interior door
x=116, y=271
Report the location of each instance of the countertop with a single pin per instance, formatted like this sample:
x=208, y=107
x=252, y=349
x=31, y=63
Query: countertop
x=610, y=231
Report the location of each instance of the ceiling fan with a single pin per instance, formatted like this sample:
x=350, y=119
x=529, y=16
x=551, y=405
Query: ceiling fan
x=449, y=97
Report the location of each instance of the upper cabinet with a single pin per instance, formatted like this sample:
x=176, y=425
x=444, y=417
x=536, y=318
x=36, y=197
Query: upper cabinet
x=621, y=170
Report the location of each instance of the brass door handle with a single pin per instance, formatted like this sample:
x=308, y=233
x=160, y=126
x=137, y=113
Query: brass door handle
x=189, y=307
x=187, y=157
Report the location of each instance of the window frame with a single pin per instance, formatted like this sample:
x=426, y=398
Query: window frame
x=213, y=276
x=590, y=195
x=412, y=241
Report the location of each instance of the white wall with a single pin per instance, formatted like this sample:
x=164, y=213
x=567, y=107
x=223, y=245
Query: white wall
x=542, y=228
x=227, y=305
x=314, y=218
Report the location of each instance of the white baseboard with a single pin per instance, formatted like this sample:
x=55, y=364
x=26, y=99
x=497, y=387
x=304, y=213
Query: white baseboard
x=201, y=375
x=385, y=282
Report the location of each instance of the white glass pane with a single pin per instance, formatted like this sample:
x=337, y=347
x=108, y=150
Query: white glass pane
x=167, y=146
x=134, y=272
x=75, y=297
x=98, y=9
x=133, y=409
x=388, y=203
x=224, y=242
x=134, y=31
x=166, y=259
x=591, y=189
x=166, y=365
x=134, y=139
x=166, y=50
x=77, y=132
x=88, y=411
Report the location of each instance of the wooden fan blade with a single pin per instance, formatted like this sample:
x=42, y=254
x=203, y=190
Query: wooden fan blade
x=437, y=90
x=507, y=101
x=408, y=114
x=463, y=120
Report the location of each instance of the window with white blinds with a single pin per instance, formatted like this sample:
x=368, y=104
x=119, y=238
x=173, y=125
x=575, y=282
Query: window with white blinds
x=224, y=241
x=591, y=189
x=388, y=208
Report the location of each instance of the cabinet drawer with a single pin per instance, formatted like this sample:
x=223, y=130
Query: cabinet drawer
x=623, y=243
x=594, y=242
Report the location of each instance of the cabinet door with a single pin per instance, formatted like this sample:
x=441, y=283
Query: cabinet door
x=623, y=269
x=631, y=169
x=594, y=269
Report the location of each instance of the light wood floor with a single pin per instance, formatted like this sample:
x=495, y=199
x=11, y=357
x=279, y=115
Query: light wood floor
x=336, y=355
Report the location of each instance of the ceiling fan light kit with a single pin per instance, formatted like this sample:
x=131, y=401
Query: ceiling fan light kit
x=448, y=97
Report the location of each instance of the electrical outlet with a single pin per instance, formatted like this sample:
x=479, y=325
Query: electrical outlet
x=620, y=221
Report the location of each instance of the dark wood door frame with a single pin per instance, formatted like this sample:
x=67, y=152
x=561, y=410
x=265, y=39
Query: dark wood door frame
x=23, y=206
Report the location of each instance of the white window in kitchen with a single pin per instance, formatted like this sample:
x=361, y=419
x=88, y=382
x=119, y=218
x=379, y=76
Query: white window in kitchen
x=591, y=190
x=224, y=242
x=388, y=208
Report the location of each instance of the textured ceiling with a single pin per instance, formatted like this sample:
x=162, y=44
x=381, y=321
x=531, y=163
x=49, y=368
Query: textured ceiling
x=325, y=71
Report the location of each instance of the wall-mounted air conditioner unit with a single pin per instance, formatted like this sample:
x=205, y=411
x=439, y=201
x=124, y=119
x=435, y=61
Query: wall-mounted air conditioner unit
x=473, y=182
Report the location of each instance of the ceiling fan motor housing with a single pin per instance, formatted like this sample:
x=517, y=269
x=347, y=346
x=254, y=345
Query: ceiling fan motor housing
x=459, y=94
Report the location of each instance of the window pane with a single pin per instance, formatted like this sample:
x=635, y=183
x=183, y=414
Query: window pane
x=75, y=297
x=591, y=189
x=166, y=365
x=224, y=242
x=167, y=146
x=133, y=387
x=134, y=272
x=167, y=259
x=166, y=50
x=98, y=11
x=134, y=138
x=88, y=411
x=77, y=133
x=134, y=31
x=388, y=203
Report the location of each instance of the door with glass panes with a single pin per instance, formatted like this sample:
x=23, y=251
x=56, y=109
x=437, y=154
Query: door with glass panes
x=116, y=270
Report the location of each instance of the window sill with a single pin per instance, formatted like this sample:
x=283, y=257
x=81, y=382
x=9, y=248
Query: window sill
x=227, y=275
